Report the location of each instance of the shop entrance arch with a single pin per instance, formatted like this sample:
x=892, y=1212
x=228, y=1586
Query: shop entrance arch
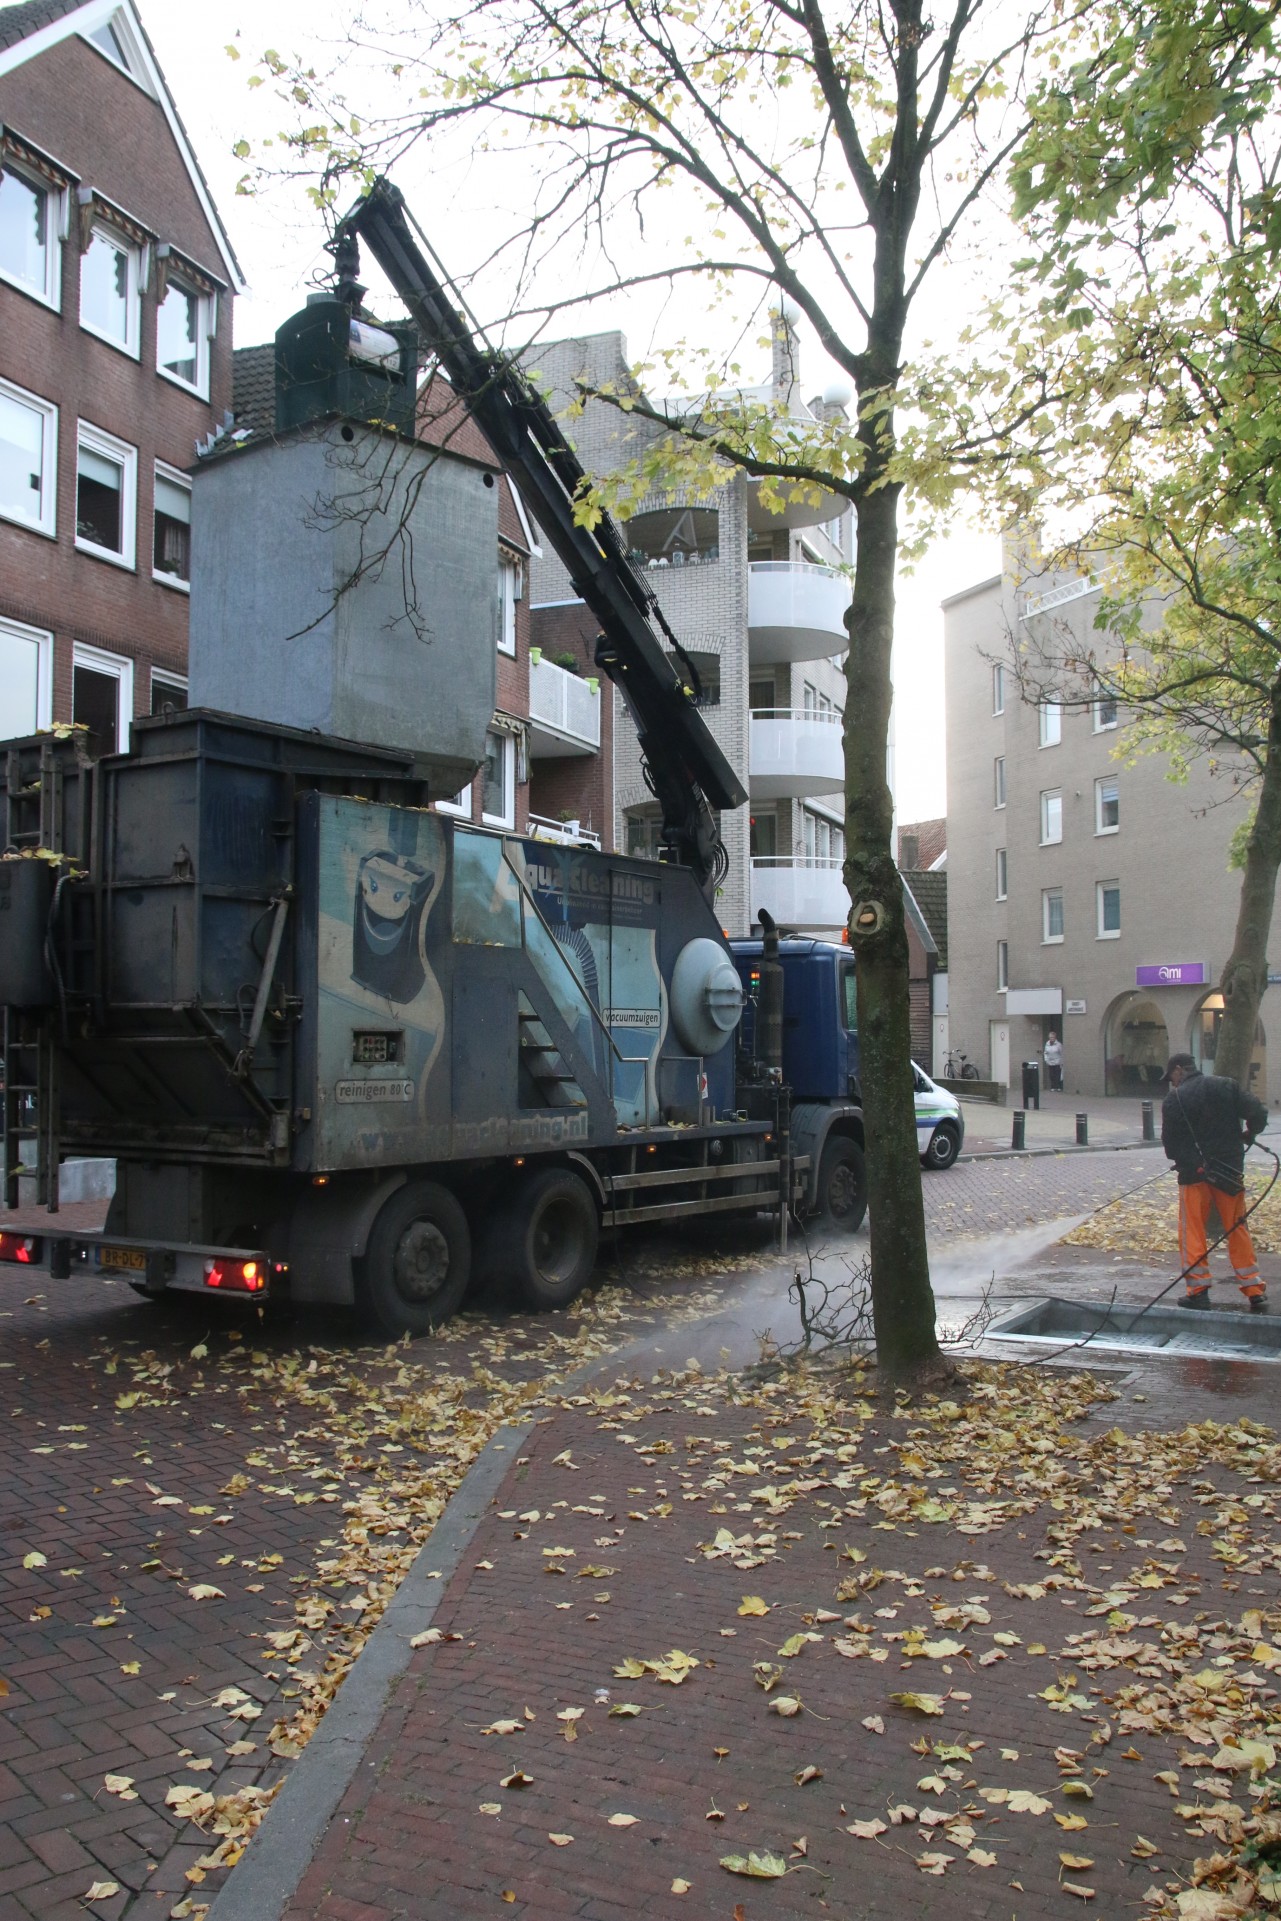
x=1136, y=1046
x=1205, y=1043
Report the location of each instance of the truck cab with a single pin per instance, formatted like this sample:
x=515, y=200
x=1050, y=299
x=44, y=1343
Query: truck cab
x=820, y=1065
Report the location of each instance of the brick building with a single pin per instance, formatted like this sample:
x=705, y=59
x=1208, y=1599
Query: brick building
x=116, y=287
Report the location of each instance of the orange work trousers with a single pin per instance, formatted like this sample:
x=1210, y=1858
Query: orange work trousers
x=1195, y=1206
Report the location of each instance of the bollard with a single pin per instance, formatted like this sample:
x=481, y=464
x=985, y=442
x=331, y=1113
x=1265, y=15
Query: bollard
x=1149, y=1121
x=1083, y=1130
x=1017, y=1132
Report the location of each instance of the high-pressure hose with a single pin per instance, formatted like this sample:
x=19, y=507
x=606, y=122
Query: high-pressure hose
x=1085, y=1340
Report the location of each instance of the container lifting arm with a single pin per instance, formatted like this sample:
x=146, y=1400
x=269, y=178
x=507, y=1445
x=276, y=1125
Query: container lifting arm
x=686, y=770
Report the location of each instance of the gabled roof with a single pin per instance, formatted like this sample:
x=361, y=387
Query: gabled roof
x=253, y=393
x=30, y=27
x=16, y=23
x=928, y=888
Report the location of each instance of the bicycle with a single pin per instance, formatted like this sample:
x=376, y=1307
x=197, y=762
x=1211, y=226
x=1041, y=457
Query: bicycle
x=959, y=1067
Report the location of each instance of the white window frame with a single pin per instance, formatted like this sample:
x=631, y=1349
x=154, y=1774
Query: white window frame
x=132, y=343
x=998, y=780
x=508, y=816
x=1047, y=895
x=176, y=479
x=107, y=447
x=42, y=640
x=460, y=803
x=1102, y=726
x=998, y=688
x=161, y=677
x=1049, y=795
x=50, y=294
x=1101, y=932
x=206, y=322
x=1099, y=827
x=120, y=668
x=129, y=60
x=509, y=593
x=1002, y=875
x=46, y=522
x=1002, y=967
x=1050, y=723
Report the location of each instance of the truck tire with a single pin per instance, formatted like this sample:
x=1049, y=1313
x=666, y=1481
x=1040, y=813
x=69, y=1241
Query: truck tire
x=417, y=1261
x=548, y=1236
x=944, y=1146
x=841, y=1195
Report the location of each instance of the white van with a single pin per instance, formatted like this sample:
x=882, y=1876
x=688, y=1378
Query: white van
x=940, y=1124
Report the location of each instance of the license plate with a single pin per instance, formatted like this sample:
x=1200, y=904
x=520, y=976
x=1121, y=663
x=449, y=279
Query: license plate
x=131, y=1258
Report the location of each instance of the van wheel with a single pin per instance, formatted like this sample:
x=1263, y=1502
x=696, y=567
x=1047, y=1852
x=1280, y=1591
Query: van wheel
x=548, y=1238
x=417, y=1262
x=943, y=1148
x=841, y=1197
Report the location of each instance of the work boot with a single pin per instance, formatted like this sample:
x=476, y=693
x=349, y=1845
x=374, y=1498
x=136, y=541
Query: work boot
x=1201, y=1298
x=1258, y=1303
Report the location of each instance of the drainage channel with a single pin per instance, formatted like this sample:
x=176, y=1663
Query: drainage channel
x=1161, y=1330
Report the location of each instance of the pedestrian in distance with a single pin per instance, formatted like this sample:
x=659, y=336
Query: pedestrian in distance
x=1052, y=1055
x=1207, y=1122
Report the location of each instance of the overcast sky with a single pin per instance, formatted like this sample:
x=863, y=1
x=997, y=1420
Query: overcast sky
x=278, y=239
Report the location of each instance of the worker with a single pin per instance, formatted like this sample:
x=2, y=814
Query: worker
x=1207, y=1122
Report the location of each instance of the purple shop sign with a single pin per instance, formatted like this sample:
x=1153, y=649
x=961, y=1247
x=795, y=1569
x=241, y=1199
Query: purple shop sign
x=1173, y=974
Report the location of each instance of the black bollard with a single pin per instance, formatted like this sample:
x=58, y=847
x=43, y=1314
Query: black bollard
x=1018, y=1130
x=1149, y=1120
x=1083, y=1130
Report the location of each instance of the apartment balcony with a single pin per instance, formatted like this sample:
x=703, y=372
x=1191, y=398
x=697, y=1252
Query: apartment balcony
x=561, y=833
x=794, y=753
x=564, y=712
x=765, y=518
x=795, y=611
x=807, y=894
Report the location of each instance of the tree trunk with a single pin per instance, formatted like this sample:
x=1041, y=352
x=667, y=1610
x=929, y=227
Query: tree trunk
x=902, y=1299
x=1245, y=976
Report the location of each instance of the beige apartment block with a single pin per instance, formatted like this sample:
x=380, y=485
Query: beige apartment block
x=758, y=601
x=1088, y=894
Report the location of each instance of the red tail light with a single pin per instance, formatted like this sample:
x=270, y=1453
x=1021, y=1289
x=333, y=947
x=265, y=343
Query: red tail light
x=238, y=1277
x=22, y=1248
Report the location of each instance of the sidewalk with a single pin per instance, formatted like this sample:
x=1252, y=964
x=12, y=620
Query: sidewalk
x=977, y=1659
x=1111, y=1123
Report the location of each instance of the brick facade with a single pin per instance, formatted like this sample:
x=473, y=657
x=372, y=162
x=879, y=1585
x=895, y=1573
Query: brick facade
x=921, y=843
x=108, y=134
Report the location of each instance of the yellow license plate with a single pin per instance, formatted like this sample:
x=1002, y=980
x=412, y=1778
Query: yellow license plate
x=132, y=1258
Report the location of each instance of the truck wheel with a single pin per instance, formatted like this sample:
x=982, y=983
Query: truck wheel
x=549, y=1237
x=417, y=1262
x=841, y=1197
x=943, y=1148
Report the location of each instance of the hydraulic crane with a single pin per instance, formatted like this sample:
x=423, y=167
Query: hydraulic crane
x=688, y=774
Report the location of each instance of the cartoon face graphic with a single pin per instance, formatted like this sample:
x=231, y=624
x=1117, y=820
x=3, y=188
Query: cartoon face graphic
x=392, y=892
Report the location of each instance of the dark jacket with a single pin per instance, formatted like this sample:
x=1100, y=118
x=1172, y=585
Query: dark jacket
x=1201, y=1130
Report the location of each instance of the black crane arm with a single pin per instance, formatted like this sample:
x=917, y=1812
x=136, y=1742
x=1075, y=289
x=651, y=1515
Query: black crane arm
x=686, y=770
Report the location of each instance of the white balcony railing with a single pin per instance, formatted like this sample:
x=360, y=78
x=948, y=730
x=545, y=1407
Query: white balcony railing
x=795, y=611
x=806, y=894
x=795, y=752
x=564, y=712
x=562, y=833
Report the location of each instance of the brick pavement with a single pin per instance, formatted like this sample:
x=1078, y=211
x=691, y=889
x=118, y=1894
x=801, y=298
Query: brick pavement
x=594, y=1553
x=82, y=1459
